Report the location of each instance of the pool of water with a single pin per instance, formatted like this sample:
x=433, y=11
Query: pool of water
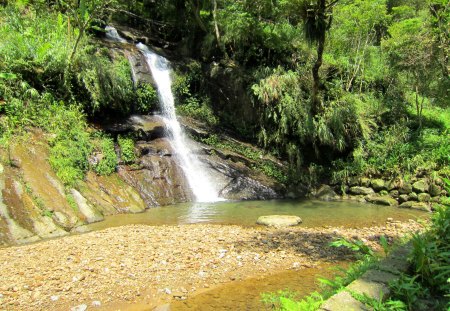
x=245, y=213
x=246, y=294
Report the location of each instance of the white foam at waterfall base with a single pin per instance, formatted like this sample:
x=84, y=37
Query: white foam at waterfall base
x=196, y=174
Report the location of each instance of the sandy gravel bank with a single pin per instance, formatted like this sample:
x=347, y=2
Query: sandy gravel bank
x=152, y=265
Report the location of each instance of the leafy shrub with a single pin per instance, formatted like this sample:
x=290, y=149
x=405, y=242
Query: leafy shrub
x=198, y=110
x=287, y=301
x=107, y=157
x=127, y=152
x=146, y=98
x=108, y=84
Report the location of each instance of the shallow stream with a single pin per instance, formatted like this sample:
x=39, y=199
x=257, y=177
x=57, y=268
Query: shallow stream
x=245, y=213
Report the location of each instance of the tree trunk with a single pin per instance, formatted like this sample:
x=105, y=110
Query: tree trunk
x=321, y=18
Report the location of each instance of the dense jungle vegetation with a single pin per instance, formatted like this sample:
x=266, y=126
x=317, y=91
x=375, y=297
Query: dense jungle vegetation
x=336, y=88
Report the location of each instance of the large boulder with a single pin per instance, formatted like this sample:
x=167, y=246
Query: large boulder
x=405, y=189
x=420, y=186
x=279, y=221
x=381, y=200
x=416, y=205
x=361, y=190
x=424, y=197
x=378, y=184
x=325, y=193
x=435, y=190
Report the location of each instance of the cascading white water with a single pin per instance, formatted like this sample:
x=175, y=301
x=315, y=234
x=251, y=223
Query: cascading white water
x=195, y=173
x=113, y=35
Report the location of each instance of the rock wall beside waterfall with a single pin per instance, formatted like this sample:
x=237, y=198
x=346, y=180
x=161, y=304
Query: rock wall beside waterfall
x=34, y=204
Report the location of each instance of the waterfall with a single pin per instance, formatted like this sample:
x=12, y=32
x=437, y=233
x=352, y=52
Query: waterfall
x=195, y=173
x=113, y=35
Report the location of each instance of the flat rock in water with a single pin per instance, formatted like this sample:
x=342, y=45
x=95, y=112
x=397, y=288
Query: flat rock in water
x=279, y=220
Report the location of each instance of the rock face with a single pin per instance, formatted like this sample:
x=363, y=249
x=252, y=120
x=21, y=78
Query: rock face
x=279, y=221
x=35, y=205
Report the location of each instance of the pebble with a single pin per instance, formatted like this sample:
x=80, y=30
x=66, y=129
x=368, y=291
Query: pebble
x=160, y=265
x=96, y=303
x=54, y=298
x=82, y=307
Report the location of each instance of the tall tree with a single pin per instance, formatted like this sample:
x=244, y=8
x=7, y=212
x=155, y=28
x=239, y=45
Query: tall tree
x=317, y=18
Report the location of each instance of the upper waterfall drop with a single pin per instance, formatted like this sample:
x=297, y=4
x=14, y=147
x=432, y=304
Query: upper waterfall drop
x=113, y=35
x=196, y=175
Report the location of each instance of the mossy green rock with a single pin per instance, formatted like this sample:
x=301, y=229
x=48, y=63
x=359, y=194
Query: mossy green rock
x=420, y=186
x=435, y=190
x=361, y=190
x=378, y=184
x=381, y=200
x=365, y=182
x=413, y=197
x=405, y=189
x=424, y=197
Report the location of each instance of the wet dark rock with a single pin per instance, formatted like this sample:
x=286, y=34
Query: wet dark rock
x=245, y=188
x=325, y=193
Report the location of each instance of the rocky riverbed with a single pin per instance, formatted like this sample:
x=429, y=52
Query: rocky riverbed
x=120, y=267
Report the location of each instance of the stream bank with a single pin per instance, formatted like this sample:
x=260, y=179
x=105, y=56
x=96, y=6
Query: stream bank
x=154, y=265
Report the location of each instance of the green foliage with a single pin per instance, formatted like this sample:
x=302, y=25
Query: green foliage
x=127, y=149
x=198, y=110
x=288, y=301
x=70, y=145
x=107, y=83
x=379, y=304
x=354, y=245
x=146, y=98
x=106, y=154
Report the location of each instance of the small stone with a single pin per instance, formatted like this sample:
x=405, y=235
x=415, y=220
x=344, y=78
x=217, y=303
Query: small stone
x=96, y=303
x=82, y=307
x=54, y=298
x=390, y=219
x=167, y=291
